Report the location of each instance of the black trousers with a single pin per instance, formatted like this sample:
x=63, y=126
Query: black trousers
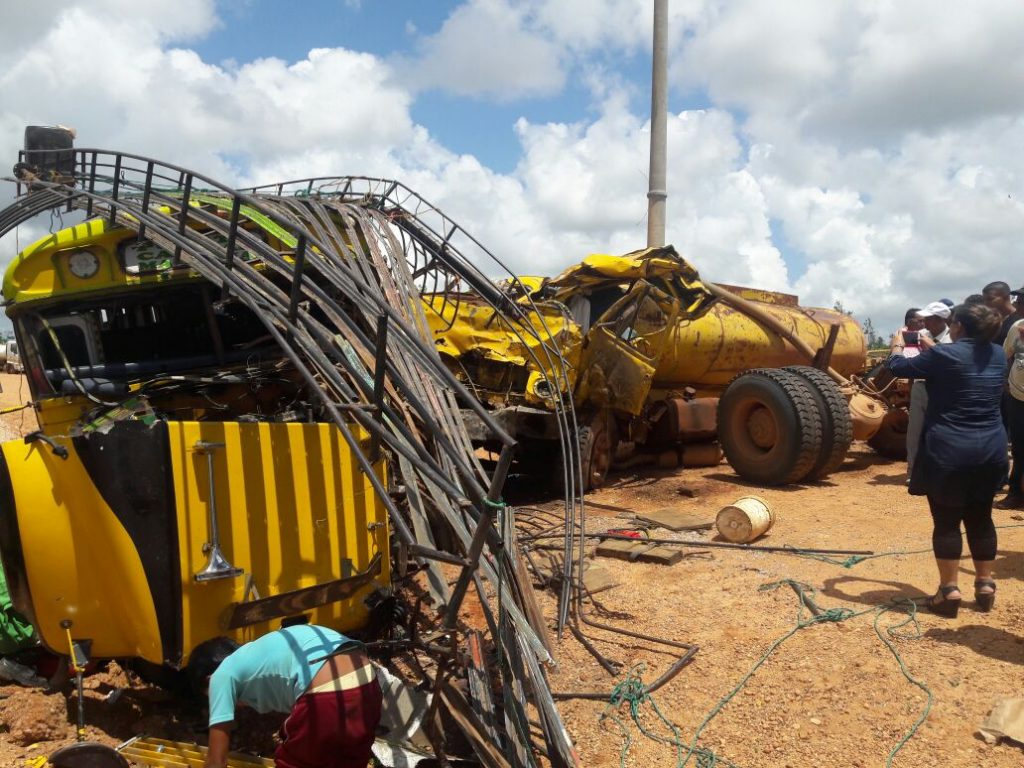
x=1015, y=416
x=947, y=542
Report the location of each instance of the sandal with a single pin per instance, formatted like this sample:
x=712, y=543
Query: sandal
x=947, y=606
x=985, y=600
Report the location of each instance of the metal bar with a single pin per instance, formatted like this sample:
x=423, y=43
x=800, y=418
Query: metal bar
x=92, y=184
x=229, y=249
x=115, y=188
x=296, y=294
x=301, y=600
x=147, y=190
x=823, y=357
x=217, y=566
x=379, y=371
x=186, y=197
x=483, y=530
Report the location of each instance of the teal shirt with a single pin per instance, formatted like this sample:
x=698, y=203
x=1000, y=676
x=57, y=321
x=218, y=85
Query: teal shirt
x=269, y=674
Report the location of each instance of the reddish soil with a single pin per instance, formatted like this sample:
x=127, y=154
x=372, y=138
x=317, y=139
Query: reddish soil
x=833, y=694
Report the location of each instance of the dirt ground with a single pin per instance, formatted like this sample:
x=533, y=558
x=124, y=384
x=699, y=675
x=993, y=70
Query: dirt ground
x=15, y=393
x=832, y=694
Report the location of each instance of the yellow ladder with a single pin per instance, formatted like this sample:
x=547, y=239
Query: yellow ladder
x=161, y=753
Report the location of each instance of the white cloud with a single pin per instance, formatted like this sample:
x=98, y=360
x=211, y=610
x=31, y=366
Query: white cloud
x=881, y=139
x=486, y=48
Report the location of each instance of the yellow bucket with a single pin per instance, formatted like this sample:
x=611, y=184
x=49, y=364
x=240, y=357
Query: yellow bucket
x=745, y=519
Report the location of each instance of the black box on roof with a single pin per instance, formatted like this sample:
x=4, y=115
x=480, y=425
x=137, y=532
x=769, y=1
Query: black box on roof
x=49, y=148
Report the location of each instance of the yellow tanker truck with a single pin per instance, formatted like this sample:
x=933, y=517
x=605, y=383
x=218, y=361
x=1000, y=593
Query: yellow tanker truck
x=659, y=362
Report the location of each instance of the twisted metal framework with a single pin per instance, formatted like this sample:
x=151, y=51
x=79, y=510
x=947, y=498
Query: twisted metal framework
x=338, y=292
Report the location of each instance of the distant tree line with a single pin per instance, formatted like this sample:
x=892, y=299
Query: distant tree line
x=872, y=337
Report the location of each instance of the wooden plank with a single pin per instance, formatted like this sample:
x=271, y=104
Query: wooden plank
x=639, y=551
x=677, y=519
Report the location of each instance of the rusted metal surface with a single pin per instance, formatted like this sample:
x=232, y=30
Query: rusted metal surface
x=677, y=420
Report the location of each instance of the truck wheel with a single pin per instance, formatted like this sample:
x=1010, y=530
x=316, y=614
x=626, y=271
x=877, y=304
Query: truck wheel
x=597, y=439
x=891, y=438
x=837, y=428
x=769, y=426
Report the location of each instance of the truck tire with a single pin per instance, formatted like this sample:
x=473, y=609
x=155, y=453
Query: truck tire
x=837, y=428
x=769, y=426
x=597, y=440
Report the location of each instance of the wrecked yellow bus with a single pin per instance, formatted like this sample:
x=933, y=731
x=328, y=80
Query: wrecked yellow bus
x=183, y=482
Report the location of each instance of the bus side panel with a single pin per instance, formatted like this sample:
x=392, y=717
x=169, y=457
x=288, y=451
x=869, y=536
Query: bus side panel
x=293, y=511
x=69, y=556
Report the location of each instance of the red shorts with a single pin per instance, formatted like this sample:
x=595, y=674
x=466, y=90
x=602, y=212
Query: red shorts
x=333, y=729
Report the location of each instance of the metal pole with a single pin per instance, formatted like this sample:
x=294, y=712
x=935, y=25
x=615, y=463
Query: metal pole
x=657, y=190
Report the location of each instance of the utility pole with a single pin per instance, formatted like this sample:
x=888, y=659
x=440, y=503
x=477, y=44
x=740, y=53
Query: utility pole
x=657, y=189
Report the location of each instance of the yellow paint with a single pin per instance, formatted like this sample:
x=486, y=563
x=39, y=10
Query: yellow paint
x=41, y=270
x=291, y=509
x=469, y=325
x=161, y=753
x=80, y=562
x=707, y=345
x=709, y=351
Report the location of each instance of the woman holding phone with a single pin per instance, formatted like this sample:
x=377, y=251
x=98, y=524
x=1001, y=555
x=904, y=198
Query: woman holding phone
x=962, y=458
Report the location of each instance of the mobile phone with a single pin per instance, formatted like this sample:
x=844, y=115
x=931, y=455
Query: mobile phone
x=910, y=338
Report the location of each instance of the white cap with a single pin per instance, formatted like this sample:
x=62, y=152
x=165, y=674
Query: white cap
x=935, y=309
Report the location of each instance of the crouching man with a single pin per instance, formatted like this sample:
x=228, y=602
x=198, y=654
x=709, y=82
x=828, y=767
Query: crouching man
x=323, y=679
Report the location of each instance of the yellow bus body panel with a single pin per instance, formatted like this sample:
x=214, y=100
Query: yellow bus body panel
x=293, y=509
x=80, y=562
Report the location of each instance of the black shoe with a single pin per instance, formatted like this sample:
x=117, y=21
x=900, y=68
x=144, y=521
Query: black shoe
x=1010, y=501
x=985, y=600
x=942, y=604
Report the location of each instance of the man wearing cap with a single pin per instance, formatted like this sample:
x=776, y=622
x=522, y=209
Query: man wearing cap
x=935, y=317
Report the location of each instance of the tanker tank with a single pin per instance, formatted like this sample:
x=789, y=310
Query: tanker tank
x=710, y=351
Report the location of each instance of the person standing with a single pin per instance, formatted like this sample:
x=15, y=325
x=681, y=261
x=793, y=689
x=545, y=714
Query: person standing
x=323, y=679
x=962, y=459
x=936, y=331
x=998, y=297
x=1014, y=348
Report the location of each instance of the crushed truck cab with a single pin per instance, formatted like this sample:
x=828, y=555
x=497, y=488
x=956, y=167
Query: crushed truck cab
x=648, y=348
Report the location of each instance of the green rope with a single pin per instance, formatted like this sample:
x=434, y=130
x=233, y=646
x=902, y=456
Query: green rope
x=632, y=692
x=893, y=631
x=853, y=560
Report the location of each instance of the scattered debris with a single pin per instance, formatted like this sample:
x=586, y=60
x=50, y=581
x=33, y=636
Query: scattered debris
x=745, y=520
x=1005, y=721
x=676, y=519
x=641, y=551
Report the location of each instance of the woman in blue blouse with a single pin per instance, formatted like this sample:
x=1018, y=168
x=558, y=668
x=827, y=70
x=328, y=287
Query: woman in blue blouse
x=962, y=456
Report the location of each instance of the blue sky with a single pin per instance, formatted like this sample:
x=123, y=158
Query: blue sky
x=479, y=126
x=824, y=149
